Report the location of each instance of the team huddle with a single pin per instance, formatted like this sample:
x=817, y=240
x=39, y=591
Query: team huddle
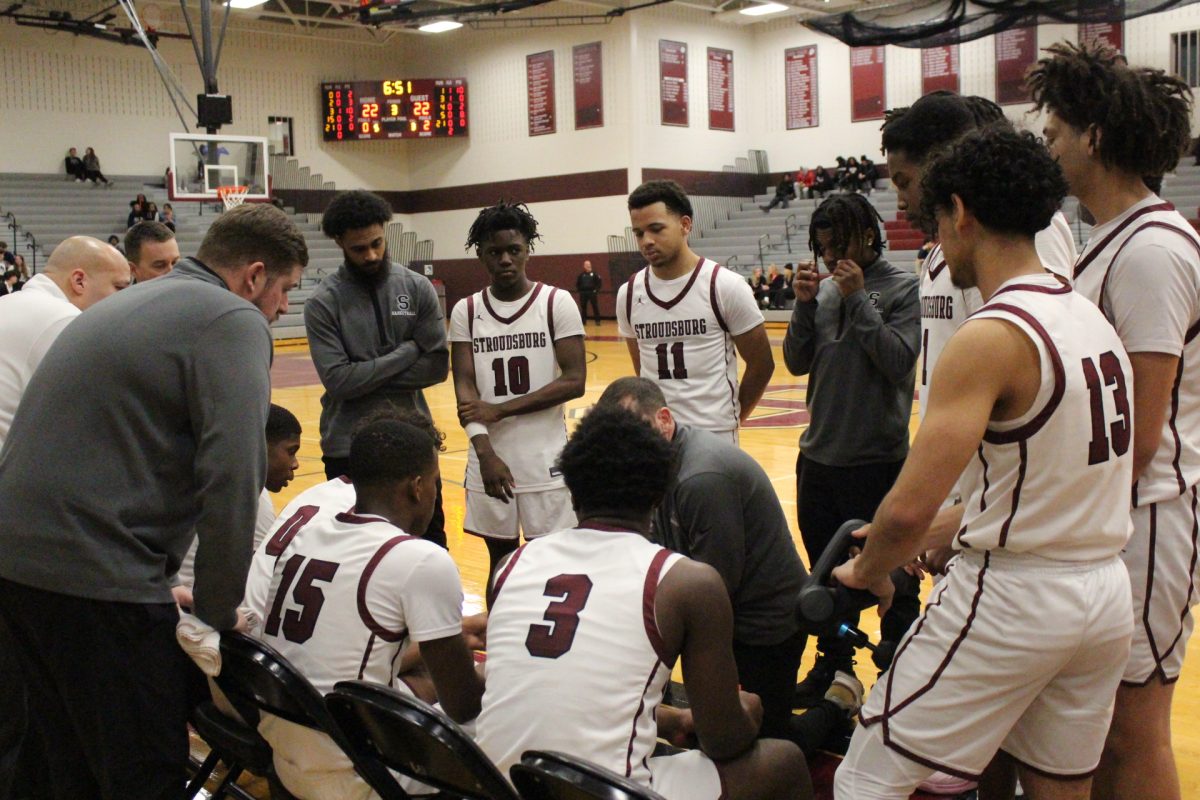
x=1051, y=488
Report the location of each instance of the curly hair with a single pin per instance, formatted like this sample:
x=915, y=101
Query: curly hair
x=350, y=211
x=849, y=217
x=934, y=121
x=504, y=216
x=1139, y=118
x=616, y=462
x=387, y=450
x=1008, y=180
x=669, y=193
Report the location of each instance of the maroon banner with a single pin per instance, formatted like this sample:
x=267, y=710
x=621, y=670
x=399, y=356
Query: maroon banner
x=1109, y=33
x=720, y=89
x=800, y=80
x=673, y=82
x=939, y=69
x=867, y=97
x=1016, y=50
x=539, y=73
x=587, y=67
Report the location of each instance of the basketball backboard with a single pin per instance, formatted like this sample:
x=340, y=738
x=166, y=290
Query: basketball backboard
x=200, y=163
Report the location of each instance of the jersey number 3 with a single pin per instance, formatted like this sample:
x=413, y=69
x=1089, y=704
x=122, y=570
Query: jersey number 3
x=551, y=641
x=1112, y=374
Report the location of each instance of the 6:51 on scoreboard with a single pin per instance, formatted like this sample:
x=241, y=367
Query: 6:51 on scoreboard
x=399, y=108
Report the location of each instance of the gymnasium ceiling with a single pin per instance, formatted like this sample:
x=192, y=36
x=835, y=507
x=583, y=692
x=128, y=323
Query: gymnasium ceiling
x=340, y=19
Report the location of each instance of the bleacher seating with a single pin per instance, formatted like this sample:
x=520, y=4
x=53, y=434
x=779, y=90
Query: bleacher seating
x=52, y=209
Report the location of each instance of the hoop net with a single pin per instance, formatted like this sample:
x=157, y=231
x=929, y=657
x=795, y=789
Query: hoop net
x=232, y=196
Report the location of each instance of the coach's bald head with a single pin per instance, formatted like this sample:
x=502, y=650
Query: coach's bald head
x=87, y=270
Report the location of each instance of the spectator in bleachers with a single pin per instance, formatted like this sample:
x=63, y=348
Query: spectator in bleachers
x=136, y=214
x=151, y=250
x=20, y=267
x=789, y=293
x=804, y=181
x=115, y=241
x=74, y=165
x=785, y=191
x=6, y=256
x=151, y=212
x=758, y=285
x=822, y=183
x=775, y=286
x=91, y=167
x=10, y=283
x=852, y=177
x=870, y=172
x=167, y=216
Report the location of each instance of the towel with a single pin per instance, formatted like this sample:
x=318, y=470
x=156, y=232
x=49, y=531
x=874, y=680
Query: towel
x=202, y=642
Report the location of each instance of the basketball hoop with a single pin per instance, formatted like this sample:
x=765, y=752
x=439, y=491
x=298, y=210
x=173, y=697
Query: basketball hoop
x=232, y=196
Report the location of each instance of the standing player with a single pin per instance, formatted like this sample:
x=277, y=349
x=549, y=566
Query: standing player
x=377, y=590
x=621, y=612
x=376, y=332
x=517, y=355
x=1016, y=403
x=1141, y=266
x=683, y=317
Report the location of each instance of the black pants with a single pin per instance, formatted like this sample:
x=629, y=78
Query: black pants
x=592, y=299
x=828, y=496
x=436, y=532
x=95, y=176
x=109, y=692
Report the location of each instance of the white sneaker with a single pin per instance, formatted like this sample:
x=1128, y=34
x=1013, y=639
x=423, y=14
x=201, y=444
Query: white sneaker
x=846, y=692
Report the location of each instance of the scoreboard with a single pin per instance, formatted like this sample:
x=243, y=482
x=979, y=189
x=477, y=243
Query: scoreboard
x=402, y=108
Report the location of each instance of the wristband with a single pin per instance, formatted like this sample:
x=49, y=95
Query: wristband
x=474, y=429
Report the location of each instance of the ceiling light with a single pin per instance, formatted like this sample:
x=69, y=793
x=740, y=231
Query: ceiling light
x=245, y=3
x=440, y=26
x=764, y=8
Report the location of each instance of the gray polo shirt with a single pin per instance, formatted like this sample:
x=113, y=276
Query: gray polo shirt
x=860, y=355
x=373, y=346
x=722, y=510
x=143, y=423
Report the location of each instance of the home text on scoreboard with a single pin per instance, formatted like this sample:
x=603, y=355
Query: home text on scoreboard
x=395, y=108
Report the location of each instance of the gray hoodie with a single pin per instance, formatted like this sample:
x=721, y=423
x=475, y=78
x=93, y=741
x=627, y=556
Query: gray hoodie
x=373, y=345
x=859, y=354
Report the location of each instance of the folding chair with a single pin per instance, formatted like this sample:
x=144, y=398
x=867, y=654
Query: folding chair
x=546, y=775
x=255, y=677
x=400, y=732
x=239, y=747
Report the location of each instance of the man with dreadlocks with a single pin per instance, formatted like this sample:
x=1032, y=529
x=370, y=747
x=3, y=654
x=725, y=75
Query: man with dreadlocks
x=517, y=356
x=856, y=336
x=1109, y=125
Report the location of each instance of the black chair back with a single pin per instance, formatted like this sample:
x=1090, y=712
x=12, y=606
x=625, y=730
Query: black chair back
x=547, y=775
x=411, y=737
x=255, y=677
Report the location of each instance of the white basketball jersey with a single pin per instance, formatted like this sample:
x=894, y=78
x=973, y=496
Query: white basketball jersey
x=574, y=657
x=349, y=591
x=944, y=306
x=513, y=345
x=1056, y=481
x=684, y=330
x=318, y=502
x=1143, y=270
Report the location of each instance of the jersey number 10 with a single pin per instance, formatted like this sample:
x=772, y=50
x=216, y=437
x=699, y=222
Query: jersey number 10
x=517, y=373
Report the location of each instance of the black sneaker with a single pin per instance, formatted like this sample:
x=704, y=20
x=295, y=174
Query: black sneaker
x=812, y=689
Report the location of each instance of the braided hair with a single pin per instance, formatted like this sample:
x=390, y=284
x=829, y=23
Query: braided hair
x=849, y=218
x=504, y=216
x=1140, y=118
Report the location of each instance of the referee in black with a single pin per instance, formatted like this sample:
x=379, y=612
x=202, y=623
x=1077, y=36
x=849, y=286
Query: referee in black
x=588, y=285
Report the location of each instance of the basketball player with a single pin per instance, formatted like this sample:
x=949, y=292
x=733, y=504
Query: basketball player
x=911, y=137
x=683, y=318
x=517, y=355
x=1016, y=403
x=1141, y=266
x=621, y=612
x=375, y=330
x=151, y=250
x=377, y=589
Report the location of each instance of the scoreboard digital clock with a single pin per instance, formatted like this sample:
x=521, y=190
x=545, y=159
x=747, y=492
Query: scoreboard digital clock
x=400, y=108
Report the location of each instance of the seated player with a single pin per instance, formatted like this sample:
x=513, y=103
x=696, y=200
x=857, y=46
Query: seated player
x=379, y=589
x=1017, y=402
x=283, y=442
x=517, y=355
x=586, y=624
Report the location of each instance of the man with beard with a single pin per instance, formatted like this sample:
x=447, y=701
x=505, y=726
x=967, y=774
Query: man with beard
x=375, y=330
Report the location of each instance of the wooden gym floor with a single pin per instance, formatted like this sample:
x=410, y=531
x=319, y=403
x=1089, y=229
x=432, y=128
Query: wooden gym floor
x=771, y=438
